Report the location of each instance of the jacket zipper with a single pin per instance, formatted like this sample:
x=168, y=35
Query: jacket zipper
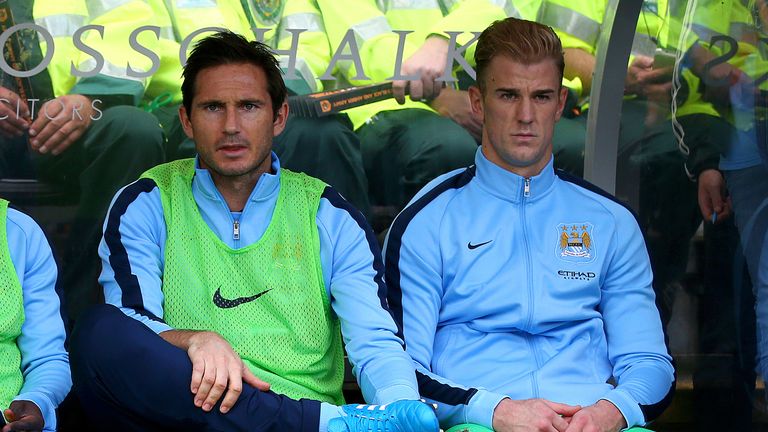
x=235, y=230
x=529, y=274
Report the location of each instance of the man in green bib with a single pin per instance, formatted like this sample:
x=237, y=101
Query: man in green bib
x=34, y=367
x=240, y=276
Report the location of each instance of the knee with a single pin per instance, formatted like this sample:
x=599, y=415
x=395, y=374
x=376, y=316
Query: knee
x=326, y=134
x=450, y=147
x=90, y=340
x=443, y=153
x=135, y=128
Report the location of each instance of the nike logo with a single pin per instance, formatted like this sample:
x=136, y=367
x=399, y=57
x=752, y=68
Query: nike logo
x=475, y=246
x=223, y=303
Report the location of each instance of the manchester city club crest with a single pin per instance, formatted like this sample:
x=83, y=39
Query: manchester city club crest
x=576, y=242
x=269, y=11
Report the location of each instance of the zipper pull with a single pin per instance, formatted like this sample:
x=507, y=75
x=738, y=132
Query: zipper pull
x=527, y=189
x=236, y=230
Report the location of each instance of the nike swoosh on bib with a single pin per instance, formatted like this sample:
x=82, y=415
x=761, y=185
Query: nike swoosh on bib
x=223, y=303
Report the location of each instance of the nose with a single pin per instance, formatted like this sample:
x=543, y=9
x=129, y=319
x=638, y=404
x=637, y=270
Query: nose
x=232, y=121
x=525, y=111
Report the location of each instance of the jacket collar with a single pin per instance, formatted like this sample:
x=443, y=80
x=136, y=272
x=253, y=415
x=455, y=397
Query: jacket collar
x=266, y=187
x=509, y=186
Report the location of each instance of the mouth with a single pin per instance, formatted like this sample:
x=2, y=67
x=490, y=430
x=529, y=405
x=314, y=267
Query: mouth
x=524, y=136
x=232, y=149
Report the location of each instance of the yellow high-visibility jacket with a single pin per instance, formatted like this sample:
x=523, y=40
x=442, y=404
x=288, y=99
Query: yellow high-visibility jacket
x=372, y=22
x=254, y=20
x=112, y=83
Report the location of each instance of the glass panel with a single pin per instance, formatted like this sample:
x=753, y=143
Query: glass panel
x=692, y=164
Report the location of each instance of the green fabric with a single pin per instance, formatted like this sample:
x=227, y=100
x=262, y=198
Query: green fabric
x=568, y=144
x=111, y=91
x=400, y=159
x=469, y=427
x=177, y=145
x=328, y=149
x=284, y=332
x=11, y=319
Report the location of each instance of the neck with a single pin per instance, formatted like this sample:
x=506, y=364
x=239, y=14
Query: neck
x=236, y=190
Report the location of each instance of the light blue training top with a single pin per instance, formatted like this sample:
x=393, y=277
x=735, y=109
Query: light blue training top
x=133, y=251
x=44, y=362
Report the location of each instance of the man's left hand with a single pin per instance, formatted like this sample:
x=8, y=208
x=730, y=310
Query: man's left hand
x=61, y=122
x=600, y=417
x=23, y=416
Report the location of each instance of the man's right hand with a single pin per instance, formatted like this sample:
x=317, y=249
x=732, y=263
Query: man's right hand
x=216, y=368
x=12, y=125
x=713, y=197
x=429, y=63
x=532, y=415
x=23, y=415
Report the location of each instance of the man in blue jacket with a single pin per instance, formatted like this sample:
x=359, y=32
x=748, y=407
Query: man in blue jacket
x=228, y=276
x=34, y=367
x=525, y=294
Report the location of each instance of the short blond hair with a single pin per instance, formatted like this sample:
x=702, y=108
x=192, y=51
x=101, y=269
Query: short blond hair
x=523, y=41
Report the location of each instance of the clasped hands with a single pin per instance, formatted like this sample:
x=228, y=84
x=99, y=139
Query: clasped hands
x=541, y=415
x=59, y=122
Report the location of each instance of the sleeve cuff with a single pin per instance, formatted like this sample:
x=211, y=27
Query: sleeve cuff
x=157, y=327
x=47, y=408
x=396, y=392
x=481, y=407
x=699, y=168
x=327, y=413
x=627, y=406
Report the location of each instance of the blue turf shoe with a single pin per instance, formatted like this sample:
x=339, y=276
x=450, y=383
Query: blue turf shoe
x=400, y=416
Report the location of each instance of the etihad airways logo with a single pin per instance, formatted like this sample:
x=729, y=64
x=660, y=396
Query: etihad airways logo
x=576, y=275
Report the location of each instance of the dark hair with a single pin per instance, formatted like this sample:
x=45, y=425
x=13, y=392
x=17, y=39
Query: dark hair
x=230, y=48
x=523, y=41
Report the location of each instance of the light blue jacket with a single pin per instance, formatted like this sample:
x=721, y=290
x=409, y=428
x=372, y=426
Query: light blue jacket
x=44, y=362
x=133, y=251
x=525, y=288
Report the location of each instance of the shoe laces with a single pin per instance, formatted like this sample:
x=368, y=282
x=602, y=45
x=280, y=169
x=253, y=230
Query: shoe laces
x=373, y=418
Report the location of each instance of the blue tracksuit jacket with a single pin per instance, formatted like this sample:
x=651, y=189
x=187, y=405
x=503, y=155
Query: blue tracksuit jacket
x=133, y=251
x=526, y=288
x=44, y=362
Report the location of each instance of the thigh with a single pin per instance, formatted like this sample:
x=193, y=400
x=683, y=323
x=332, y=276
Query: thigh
x=126, y=374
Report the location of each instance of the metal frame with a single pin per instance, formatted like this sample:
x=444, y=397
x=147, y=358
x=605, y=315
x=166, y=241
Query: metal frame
x=613, y=48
